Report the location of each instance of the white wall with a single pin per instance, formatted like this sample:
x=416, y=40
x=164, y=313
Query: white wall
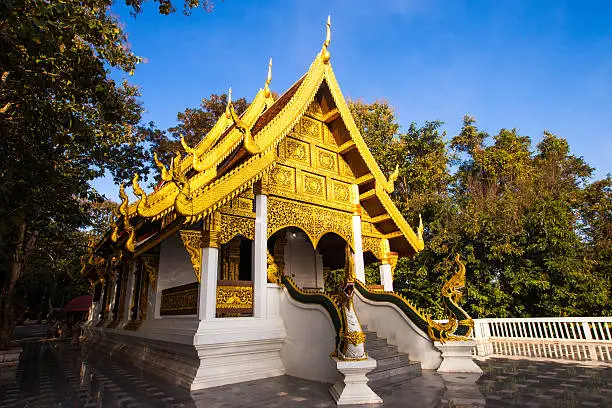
x=310, y=339
x=390, y=322
x=175, y=267
x=300, y=260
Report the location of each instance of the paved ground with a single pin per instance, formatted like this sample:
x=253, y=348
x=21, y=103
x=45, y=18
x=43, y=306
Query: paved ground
x=56, y=374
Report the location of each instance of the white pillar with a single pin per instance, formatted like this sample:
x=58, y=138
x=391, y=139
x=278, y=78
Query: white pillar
x=357, y=238
x=129, y=294
x=319, y=269
x=260, y=275
x=207, y=292
x=386, y=277
x=113, y=299
x=101, y=302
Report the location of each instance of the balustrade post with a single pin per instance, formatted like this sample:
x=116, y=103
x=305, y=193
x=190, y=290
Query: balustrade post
x=587, y=331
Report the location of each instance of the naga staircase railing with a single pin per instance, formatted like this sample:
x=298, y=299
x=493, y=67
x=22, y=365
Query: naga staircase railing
x=409, y=310
x=319, y=298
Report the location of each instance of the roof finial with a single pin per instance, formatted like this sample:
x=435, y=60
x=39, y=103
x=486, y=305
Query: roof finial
x=267, y=91
x=324, y=53
x=229, y=102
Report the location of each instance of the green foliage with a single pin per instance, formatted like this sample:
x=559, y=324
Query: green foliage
x=534, y=233
x=63, y=122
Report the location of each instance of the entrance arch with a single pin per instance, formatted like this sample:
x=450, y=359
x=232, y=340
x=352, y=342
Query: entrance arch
x=295, y=256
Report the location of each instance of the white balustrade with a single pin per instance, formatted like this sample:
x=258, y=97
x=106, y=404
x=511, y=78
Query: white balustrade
x=574, y=338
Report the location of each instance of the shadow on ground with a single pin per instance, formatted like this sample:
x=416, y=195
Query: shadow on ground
x=55, y=373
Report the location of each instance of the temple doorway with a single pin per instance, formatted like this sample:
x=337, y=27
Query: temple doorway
x=296, y=257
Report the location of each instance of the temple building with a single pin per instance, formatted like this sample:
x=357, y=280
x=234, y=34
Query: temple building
x=218, y=275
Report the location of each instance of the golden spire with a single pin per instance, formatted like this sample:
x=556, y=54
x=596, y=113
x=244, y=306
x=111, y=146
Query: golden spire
x=324, y=53
x=229, y=102
x=267, y=92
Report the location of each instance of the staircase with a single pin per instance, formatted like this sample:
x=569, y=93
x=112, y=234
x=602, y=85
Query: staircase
x=391, y=363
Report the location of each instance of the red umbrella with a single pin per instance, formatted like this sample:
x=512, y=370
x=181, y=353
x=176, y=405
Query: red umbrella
x=79, y=304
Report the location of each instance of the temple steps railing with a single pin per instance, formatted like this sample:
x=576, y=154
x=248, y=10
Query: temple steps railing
x=576, y=329
x=316, y=297
x=573, y=338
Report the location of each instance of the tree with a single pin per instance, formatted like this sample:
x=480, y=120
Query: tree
x=63, y=122
x=534, y=234
x=420, y=190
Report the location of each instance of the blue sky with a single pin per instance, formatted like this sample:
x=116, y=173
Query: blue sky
x=532, y=65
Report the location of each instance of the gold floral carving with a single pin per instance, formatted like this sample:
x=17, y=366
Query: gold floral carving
x=192, y=241
x=342, y=192
x=327, y=160
x=311, y=128
x=234, y=297
x=232, y=225
x=314, y=110
x=314, y=220
x=283, y=177
x=272, y=269
x=150, y=263
x=179, y=301
x=345, y=169
x=372, y=245
x=356, y=338
x=314, y=184
x=297, y=150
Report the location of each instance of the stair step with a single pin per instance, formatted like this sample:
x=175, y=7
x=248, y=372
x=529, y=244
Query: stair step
x=388, y=358
x=381, y=351
x=411, y=368
x=372, y=344
x=370, y=335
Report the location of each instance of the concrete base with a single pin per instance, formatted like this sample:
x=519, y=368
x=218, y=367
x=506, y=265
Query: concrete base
x=457, y=357
x=354, y=388
x=196, y=354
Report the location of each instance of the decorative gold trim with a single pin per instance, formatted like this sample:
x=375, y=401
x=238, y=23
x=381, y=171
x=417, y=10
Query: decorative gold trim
x=192, y=241
x=314, y=220
x=355, y=338
x=150, y=263
x=236, y=298
x=233, y=225
x=373, y=245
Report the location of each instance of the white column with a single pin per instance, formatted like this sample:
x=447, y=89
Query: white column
x=207, y=292
x=319, y=269
x=129, y=293
x=113, y=299
x=357, y=238
x=101, y=302
x=260, y=275
x=386, y=277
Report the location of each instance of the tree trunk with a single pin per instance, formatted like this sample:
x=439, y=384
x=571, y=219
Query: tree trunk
x=20, y=252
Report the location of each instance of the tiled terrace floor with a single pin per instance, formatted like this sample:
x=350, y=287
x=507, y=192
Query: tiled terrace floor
x=55, y=374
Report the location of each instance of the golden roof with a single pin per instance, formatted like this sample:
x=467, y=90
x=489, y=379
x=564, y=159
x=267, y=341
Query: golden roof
x=239, y=151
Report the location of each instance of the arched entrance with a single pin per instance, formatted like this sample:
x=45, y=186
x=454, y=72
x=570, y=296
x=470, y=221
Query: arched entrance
x=295, y=256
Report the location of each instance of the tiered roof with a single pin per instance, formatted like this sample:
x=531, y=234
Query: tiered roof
x=239, y=151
